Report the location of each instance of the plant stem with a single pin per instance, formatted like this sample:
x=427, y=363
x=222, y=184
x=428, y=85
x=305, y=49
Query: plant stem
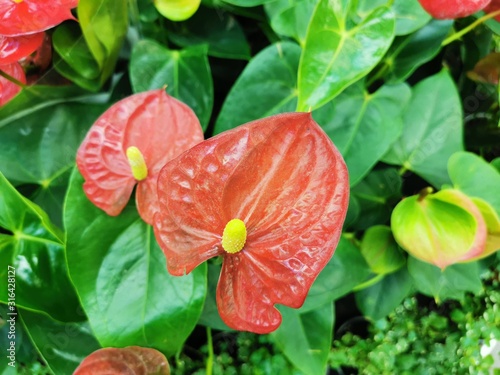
x=12, y=79
x=465, y=30
x=210, y=359
x=368, y=283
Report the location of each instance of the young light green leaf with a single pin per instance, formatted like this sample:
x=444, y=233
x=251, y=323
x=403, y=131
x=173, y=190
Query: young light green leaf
x=432, y=129
x=62, y=345
x=305, y=339
x=120, y=274
x=177, y=10
x=381, y=251
x=34, y=254
x=186, y=73
x=364, y=126
x=338, y=52
x=270, y=80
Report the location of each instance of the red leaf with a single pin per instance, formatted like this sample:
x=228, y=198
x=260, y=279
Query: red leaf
x=33, y=16
x=160, y=126
x=286, y=180
x=13, y=49
x=451, y=9
x=132, y=360
x=8, y=89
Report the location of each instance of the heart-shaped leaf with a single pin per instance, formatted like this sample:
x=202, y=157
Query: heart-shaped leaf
x=338, y=52
x=121, y=277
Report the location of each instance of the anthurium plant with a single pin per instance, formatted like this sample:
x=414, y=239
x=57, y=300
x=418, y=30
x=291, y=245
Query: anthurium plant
x=177, y=175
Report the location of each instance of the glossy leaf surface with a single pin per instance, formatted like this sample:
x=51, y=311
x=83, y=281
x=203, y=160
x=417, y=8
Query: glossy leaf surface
x=35, y=249
x=160, y=126
x=177, y=10
x=381, y=250
x=466, y=169
x=270, y=79
x=410, y=16
x=306, y=338
x=273, y=175
x=32, y=16
x=450, y=9
x=337, y=52
x=132, y=360
x=62, y=345
x=14, y=48
x=432, y=129
x=120, y=275
x=363, y=125
x=186, y=74
x=9, y=89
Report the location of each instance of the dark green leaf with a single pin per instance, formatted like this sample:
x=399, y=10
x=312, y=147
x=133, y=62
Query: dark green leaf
x=432, y=130
x=452, y=283
x=337, y=278
x=267, y=86
x=120, y=274
x=35, y=250
x=364, y=126
x=475, y=177
x=247, y=3
x=338, y=52
x=410, y=52
x=376, y=195
x=62, y=345
x=306, y=338
x=186, y=74
x=377, y=301
x=219, y=30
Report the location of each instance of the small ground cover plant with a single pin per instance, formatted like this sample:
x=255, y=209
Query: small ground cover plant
x=316, y=186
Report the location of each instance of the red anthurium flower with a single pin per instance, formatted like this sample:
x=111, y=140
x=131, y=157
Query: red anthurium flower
x=494, y=6
x=8, y=89
x=269, y=196
x=21, y=17
x=14, y=48
x=451, y=9
x=130, y=143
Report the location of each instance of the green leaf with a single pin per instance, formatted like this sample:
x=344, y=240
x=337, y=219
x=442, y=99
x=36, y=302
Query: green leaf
x=210, y=316
x=177, y=10
x=410, y=16
x=379, y=300
x=376, y=195
x=432, y=129
x=266, y=87
x=410, y=52
x=34, y=251
x=62, y=345
x=305, y=339
x=452, y=283
x=364, y=126
x=247, y=3
x=64, y=69
x=104, y=25
x=120, y=274
x=337, y=278
x=71, y=47
x=186, y=74
x=381, y=251
x=475, y=177
x=220, y=30
x=338, y=52
x=291, y=17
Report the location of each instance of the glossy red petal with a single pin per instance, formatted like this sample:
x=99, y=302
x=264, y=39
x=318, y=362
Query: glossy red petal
x=15, y=48
x=132, y=360
x=33, y=16
x=190, y=223
x=159, y=125
x=451, y=9
x=292, y=191
x=8, y=89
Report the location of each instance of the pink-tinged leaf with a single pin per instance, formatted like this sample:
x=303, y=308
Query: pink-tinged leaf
x=132, y=360
x=15, y=48
x=160, y=126
x=32, y=16
x=8, y=89
x=451, y=9
x=288, y=183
